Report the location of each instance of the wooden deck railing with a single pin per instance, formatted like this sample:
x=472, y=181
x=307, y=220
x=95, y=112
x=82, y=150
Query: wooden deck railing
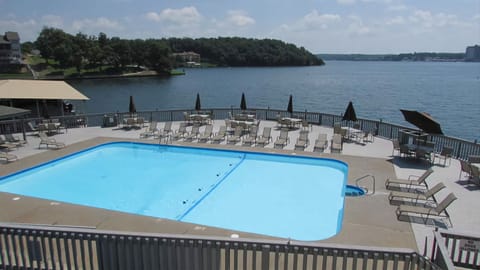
x=55, y=247
x=462, y=148
x=462, y=249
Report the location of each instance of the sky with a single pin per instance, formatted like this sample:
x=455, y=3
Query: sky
x=321, y=26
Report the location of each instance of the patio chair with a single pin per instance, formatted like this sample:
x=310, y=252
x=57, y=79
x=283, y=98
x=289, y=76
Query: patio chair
x=164, y=133
x=302, y=140
x=180, y=133
x=282, y=139
x=236, y=137
x=416, y=196
x=8, y=157
x=207, y=134
x=465, y=168
x=32, y=127
x=320, y=143
x=396, y=146
x=151, y=130
x=425, y=212
x=193, y=134
x=475, y=175
x=15, y=140
x=411, y=181
x=7, y=145
x=220, y=135
x=265, y=138
x=44, y=140
x=337, y=143
x=445, y=154
x=252, y=136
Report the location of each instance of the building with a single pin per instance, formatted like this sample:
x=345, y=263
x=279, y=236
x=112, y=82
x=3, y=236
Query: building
x=472, y=54
x=10, y=50
x=187, y=57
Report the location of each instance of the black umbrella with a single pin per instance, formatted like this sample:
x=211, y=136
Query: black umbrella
x=290, y=105
x=350, y=114
x=243, y=103
x=131, y=106
x=198, y=105
x=423, y=121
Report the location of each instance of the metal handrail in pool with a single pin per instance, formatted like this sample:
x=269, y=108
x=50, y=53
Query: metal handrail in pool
x=368, y=176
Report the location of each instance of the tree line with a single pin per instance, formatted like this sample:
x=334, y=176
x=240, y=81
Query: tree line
x=83, y=51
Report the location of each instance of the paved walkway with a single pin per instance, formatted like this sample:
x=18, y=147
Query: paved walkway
x=369, y=220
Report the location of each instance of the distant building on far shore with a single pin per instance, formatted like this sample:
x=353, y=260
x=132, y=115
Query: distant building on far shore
x=472, y=54
x=10, y=50
x=187, y=58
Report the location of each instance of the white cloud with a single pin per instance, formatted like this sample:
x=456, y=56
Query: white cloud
x=397, y=8
x=101, y=24
x=357, y=27
x=428, y=20
x=28, y=29
x=186, y=15
x=239, y=18
x=313, y=21
x=396, y=20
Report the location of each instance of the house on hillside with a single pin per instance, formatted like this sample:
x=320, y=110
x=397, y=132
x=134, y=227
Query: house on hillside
x=10, y=50
x=187, y=58
x=472, y=54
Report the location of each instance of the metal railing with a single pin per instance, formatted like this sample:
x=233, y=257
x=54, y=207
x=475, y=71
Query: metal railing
x=462, y=148
x=462, y=249
x=366, y=177
x=53, y=247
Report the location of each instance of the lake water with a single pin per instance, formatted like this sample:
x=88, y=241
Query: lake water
x=450, y=92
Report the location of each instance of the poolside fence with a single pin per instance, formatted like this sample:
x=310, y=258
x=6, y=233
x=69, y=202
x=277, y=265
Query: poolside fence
x=462, y=249
x=57, y=247
x=462, y=149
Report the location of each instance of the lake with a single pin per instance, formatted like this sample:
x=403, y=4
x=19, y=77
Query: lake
x=450, y=92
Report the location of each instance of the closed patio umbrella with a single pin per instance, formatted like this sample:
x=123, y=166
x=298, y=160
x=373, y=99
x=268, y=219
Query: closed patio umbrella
x=243, y=103
x=423, y=121
x=198, y=105
x=131, y=107
x=350, y=114
x=290, y=105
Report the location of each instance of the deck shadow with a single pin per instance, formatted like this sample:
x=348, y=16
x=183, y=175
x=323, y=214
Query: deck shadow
x=410, y=163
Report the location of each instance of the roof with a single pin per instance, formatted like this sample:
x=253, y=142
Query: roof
x=38, y=89
x=11, y=36
x=7, y=112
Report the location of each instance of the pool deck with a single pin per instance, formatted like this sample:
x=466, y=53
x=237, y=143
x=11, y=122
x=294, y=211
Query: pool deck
x=368, y=220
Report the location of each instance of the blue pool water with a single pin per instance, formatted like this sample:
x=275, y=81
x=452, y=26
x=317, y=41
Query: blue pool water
x=278, y=195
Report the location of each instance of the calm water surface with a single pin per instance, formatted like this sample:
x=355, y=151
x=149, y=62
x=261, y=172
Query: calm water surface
x=450, y=92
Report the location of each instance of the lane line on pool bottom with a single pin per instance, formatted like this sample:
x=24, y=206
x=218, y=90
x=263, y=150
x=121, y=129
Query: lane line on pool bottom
x=212, y=189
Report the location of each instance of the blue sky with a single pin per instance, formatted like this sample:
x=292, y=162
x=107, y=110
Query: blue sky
x=321, y=26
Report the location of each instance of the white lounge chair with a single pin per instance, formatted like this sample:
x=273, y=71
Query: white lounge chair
x=44, y=140
x=193, y=134
x=8, y=157
x=220, y=135
x=252, y=136
x=320, y=143
x=282, y=139
x=151, y=130
x=302, y=140
x=337, y=143
x=236, y=137
x=426, y=212
x=416, y=196
x=265, y=138
x=180, y=133
x=412, y=181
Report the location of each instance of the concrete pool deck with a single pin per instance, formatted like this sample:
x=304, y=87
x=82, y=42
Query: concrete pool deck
x=368, y=220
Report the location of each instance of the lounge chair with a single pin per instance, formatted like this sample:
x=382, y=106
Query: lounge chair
x=33, y=128
x=265, y=138
x=236, y=137
x=416, y=196
x=151, y=130
x=8, y=157
x=320, y=143
x=426, y=212
x=8, y=145
x=465, y=168
x=49, y=141
x=193, y=134
x=411, y=181
x=282, y=139
x=337, y=143
x=15, y=140
x=475, y=175
x=220, y=135
x=164, y=133
x=302, y=140
x=252, y=136
x=445, y=154
x=180, y=133
x=207, y=134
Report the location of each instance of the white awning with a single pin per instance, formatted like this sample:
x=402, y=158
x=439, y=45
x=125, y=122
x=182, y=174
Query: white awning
x=38, y=89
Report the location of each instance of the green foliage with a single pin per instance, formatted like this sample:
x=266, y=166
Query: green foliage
x=81, y=52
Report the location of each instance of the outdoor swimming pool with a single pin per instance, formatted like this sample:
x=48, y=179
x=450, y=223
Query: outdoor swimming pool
x=278, y=195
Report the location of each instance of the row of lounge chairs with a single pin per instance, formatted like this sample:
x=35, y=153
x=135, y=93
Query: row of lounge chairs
x=8, y=142
x=417, y=200
x=247, y=137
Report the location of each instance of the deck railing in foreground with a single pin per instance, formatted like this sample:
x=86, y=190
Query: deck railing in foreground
x=53, y=247
x=462, y=249
x=462, y=148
